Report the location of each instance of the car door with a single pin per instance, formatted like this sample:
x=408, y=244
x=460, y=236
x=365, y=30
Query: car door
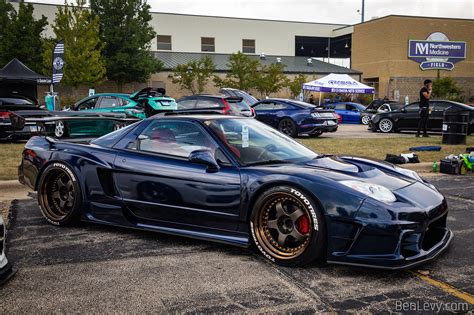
x=435, y=121
x=408, y=117
x=264, y=111
x=342, y=110
x=159, y=184
x=353, y=113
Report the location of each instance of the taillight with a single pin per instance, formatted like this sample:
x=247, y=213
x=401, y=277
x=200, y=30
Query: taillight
x=226, y=108
x=5, y=115
x=252, y=111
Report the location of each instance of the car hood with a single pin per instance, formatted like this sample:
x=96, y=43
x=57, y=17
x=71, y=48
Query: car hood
x=350, y=168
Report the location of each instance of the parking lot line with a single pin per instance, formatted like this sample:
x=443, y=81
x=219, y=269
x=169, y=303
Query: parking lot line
x=445, y=287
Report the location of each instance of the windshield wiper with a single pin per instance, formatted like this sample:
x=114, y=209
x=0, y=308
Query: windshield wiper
x=267, y=162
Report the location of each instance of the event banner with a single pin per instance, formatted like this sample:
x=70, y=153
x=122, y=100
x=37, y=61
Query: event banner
x=436, y=54
x=58, y=62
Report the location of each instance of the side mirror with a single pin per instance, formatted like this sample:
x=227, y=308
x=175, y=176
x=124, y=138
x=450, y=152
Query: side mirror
x=204, y=157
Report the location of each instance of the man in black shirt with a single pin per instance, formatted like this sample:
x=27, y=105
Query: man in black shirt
x=425, y=95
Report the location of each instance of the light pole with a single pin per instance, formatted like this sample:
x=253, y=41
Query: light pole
x=362, y=13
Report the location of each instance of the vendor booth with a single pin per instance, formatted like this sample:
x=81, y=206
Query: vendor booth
x=337, y=83
x=16, y=78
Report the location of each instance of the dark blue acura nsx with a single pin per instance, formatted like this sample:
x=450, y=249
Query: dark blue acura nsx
x=238, y=181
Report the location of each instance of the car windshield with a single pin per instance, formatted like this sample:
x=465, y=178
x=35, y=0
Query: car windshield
x=15, y=101
x=253, y=142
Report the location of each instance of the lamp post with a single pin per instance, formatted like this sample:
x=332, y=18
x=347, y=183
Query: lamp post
x=362, y=12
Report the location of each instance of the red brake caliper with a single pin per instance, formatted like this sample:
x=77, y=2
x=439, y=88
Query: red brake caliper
x=303, y=224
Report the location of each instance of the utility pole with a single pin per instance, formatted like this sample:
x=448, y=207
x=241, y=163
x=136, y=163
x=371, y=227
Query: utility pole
x=362, y=13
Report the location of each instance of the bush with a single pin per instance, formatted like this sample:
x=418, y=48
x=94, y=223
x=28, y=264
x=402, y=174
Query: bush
x=446, y=88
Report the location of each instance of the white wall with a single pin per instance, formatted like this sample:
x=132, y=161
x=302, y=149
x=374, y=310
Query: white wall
x=271, y=37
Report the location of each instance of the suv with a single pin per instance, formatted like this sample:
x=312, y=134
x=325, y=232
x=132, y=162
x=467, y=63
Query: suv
x=227, y=105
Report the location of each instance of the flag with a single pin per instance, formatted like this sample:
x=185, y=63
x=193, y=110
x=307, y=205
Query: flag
x=58, y=62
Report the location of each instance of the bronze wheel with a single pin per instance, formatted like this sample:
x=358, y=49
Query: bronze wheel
x=58, y=195
x=285, y=226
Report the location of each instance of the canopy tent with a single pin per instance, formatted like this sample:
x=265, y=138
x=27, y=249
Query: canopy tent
x=338, y=83
x=16, y=78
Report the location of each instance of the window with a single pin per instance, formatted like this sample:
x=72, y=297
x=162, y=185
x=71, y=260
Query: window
x=187, y=103
x=350, y=107
x=440, y=106
x=265, y=106
x=108, y=101
x=280, y=106
x=207, y=44
x=88, y=104
x=175, y=138
x=163, y=42
x=248, y=46
x=340, y=107
x=208, y=103
x=413, y=108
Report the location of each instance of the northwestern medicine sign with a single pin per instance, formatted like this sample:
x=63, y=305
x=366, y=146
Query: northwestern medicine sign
x=436, y=52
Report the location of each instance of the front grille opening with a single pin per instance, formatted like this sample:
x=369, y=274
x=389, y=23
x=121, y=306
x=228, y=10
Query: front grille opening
x=410, y=244
x=434, y=233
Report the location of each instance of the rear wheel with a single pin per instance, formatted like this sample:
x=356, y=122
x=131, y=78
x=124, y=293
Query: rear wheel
x=60, y=129
x=288, y=127
x=287, y=227
x=59, y=195
x=386, y=125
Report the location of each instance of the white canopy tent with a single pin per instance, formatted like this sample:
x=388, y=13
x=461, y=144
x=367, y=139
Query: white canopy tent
x=337, y=83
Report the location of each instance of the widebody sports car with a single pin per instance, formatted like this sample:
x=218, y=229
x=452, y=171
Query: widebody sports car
x=238, y=181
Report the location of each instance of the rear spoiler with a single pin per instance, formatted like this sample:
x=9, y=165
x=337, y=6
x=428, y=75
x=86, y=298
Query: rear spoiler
x=148, y=92
x=18, y=122
x=234, y=99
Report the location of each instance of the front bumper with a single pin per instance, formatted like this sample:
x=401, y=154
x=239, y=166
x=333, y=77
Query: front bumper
x=411, y=239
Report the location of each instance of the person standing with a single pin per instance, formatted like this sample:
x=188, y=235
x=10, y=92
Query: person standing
x=425, y=95
x=311, y=99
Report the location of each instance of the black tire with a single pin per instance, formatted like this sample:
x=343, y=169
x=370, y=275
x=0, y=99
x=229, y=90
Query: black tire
x=288, y=127
x=288, y=228
x=386, y=125
x=59, y=195
x=60, y=129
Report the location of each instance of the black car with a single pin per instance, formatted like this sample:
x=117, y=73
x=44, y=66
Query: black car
x=29, y=108
x=407, y=117
x=378, y=105
x=294, y=117
x=223, y=104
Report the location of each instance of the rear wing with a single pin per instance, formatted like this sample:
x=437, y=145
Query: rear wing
x=148, y=92
x=18, y=121
x=234, y=99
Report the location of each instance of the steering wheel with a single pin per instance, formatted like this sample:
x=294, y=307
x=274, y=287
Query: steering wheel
x=267, y=149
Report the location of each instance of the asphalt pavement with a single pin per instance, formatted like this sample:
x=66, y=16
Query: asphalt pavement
x=93, y=268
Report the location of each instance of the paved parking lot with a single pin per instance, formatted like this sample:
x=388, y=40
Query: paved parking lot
x=102, y=269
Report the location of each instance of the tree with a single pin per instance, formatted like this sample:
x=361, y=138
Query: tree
x=82, y=54
x=242, y=71
x=296, y=84
x=127, y=34
x=20, y=35
x=194, y=75
x=270, y=79
x=446, y=88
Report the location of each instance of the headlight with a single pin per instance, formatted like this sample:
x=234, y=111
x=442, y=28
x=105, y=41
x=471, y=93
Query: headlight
x=375, y=191
x=316, y=115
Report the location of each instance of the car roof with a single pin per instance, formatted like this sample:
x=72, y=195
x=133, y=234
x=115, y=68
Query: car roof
x=196, y=116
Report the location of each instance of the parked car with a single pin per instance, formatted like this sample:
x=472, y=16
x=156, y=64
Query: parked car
x=407, y=117
x=5, y=267
x=349, y=111
x=238, y=181
x=28, y=106
x=223, y=104
x=141, y=104
x=294, y=117
x=372, y=109
x=246, y=97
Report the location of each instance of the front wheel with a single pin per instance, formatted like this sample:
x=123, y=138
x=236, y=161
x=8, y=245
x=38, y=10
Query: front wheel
x=386, y=125
x=60, y=129
x=365, y=120
x=287, y=227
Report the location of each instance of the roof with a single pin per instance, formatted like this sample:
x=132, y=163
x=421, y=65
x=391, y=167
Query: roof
x=413, y=17
x=294, y=64
x=16, y=70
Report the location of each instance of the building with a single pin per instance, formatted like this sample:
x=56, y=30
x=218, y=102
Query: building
x=381, y=51
x=375, y=52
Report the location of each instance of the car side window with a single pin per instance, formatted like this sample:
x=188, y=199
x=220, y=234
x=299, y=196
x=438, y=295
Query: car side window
x=413, y=108
x=187, y=103
x=440, y=106
x=280, y=106
x=175, y=138
x=123, y=102
x=88, y=104
x=207, y=103
x=108, y=101
x=264, y=106
x=350, y=107
x=340, y=107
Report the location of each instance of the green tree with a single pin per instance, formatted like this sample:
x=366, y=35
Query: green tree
x=20, y=35
x=446, y=88
x=82, y=54
x=126, y=31
x=270, y=79
x=194, y=75
x=242, y=71
x=296, y=84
